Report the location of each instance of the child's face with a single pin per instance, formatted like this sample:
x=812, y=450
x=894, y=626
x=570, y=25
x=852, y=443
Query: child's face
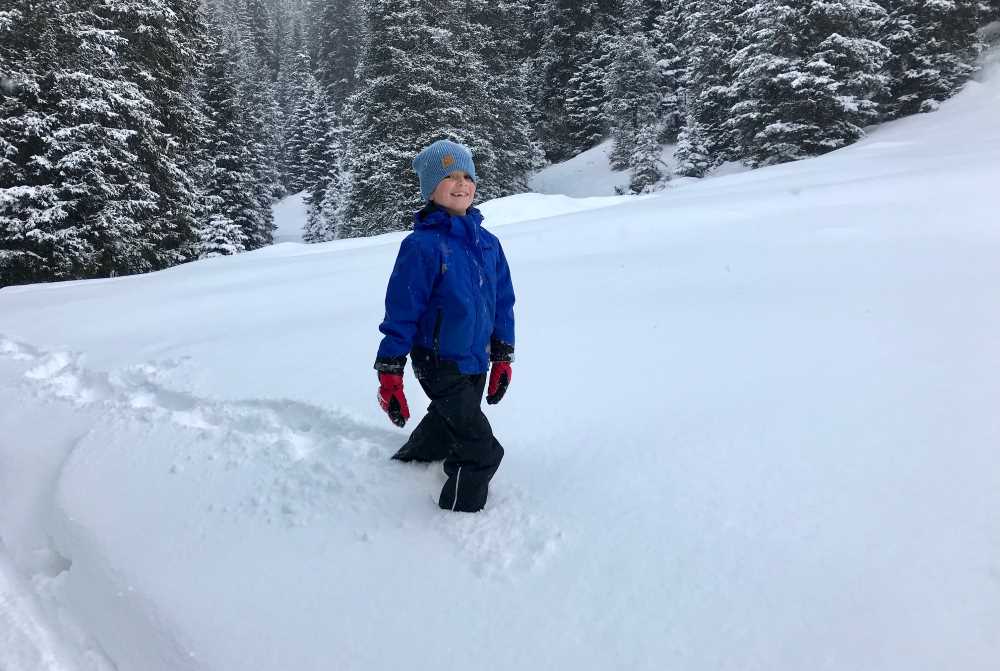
x=455, y=192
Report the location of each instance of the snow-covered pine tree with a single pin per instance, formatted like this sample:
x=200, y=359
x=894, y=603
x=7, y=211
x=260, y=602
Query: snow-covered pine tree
x=325, y=140
x=634, y=98
x=640, y=15
x=691, y=157
x=258, y=111
x=587, y=97
x=765, y=118
x=671, y=68
x=33, y=247
x=338, y=33
x=295, y=90
x=326, y=200
x=261, y=26
x=648, y=168
x=565, y=46
x=332, y=221
x=230, y=196
x=708, y=35
x=74, y=198
x=319, y=156
x=219, y=235
x=845, y=60
x=164, y=40
x=807, y=78
x=933, y=50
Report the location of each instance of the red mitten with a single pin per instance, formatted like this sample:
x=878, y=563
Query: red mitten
x=392, y=399
x=500, y=375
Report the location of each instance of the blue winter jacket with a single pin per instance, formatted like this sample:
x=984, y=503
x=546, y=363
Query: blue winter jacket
x=449, y=292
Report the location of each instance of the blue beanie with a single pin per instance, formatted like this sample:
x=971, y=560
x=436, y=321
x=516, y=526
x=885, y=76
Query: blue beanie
x=438, y=161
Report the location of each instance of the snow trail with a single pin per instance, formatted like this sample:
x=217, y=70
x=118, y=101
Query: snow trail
x=258, y=463
x=316, y=457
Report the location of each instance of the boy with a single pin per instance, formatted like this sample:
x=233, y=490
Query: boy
x=450, y=306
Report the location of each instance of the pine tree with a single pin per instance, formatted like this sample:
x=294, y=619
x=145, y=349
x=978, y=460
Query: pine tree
x=258, y=120
x=232, y=209
x=647, y=164
x=564, y=48
x=337, y=33
x=293, y=89
x=220, y=236
x=74, y=198
x=846, y=61
x=297, y=129
x=34, y=246
x=708, y=34
x=261, y=27
x=691, y=156
x=325, y=140
x=328, y=198
x=671, y=69
x=332, y=221
x=807, y=78
x=587, y=99
x=163, y=43
x=933, y=49
x=768, y=77
x=634, y=98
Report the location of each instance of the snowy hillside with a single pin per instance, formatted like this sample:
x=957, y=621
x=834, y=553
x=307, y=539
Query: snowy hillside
x=752, y=425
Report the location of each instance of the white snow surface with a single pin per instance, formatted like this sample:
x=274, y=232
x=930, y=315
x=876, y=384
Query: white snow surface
x=589, y=174
x=752, y=425
x=290, y=218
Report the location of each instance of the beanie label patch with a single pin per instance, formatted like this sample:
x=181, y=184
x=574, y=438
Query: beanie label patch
x=447, y=161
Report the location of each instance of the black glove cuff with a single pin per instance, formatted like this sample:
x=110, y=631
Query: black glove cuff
x=501, y=351
x=393, y=365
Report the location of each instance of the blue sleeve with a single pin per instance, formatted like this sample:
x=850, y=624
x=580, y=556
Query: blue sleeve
x=503, y=320
x=407, y=296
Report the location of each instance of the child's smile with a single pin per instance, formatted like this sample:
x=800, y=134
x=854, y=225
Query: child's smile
x=455, y=192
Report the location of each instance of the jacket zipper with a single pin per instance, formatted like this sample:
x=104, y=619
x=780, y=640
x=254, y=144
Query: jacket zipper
x=437, y=337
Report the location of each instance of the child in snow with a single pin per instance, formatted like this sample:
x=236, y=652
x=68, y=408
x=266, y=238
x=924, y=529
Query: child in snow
x=450, y=306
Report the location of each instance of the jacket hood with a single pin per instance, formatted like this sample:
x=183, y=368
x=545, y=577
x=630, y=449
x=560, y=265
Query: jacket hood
x=435, y=217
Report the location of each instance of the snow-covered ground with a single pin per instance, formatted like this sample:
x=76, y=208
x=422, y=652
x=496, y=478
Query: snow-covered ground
x=753, y=425
x=589, y=174
x=290, y=218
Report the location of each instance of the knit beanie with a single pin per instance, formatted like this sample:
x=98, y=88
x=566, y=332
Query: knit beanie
x=438, y=161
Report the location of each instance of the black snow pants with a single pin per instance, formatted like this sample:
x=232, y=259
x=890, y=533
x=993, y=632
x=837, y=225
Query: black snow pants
x=456, y=430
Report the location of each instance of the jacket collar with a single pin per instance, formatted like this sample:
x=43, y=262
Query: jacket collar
x=433, y=216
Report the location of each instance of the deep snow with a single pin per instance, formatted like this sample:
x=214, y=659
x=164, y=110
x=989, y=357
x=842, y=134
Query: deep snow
x=752, y=425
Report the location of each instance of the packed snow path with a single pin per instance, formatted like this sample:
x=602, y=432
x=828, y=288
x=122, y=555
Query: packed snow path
x=752, y=425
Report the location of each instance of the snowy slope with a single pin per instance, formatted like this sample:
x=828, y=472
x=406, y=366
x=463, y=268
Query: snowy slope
x=589, y=174
x=752, y=425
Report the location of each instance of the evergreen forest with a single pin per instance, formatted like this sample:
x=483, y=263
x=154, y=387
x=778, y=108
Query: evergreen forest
x=137, y=135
